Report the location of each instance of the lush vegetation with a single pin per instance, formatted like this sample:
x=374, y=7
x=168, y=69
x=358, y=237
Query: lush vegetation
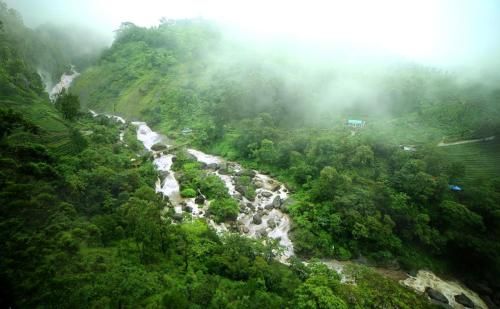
x=356, y=192
x=83, y=228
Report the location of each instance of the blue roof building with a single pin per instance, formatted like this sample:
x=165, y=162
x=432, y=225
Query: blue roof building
x=356, y=123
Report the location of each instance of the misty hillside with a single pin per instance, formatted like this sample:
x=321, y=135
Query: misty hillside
x=190, y=65
x=191, y=164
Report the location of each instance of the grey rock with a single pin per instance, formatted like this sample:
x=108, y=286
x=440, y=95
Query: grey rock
x=271, y=223
x=261, y=233
x=251, y=206
x=188, y=209
x=277, y=202
x=258, y=184
x=245, y=229
x=177, y=216
x=257, y=219
x=464, y=300
x=266, y=194
x=436, y=295
x=213, y=166
x=269, y=206
x=159, y=147
x=200, y=199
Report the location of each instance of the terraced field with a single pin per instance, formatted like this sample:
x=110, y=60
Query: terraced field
x=482, y=159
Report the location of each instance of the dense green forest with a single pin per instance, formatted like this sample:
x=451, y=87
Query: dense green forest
x=83, y=227
x=360, y=194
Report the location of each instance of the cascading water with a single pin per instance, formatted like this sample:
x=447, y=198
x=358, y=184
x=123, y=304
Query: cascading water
x=64, y=83
x=272, y=222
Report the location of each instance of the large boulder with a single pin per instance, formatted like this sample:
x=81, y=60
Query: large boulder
x=258, y=183
x=271, y=223
x=464, y=300
x=285, y=205
x=257, y=219
x=261, y=232
x=436, y=295
x=159, y=147
x=237, y=196
x=200, y=199
x=177, y=216
x=277, y=202
x=224, y=169
x=266, y=194
x=213, y=166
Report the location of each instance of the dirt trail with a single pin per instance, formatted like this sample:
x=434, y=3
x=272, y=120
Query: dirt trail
x=443, y=144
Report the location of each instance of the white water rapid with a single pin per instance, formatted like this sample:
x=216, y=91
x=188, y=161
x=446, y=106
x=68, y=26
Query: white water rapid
x=64, y=83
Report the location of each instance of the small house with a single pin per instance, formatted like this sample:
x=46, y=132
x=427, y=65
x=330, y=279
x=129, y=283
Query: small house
x=354, y=123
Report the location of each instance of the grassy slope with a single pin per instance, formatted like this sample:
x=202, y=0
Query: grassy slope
x=482, y=160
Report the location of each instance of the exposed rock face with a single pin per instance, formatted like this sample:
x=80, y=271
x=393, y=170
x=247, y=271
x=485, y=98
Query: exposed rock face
x=464, y=300
x=271, y=223
x=257, y=219
x=436, y=295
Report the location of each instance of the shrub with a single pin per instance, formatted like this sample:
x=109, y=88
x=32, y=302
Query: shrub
x=224, y=209
x=188, y=192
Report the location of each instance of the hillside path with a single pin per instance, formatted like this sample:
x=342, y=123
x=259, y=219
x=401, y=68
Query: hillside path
x=468, y=141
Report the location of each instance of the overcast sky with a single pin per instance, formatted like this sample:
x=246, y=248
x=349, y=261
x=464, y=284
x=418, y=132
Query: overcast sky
x=437, y=31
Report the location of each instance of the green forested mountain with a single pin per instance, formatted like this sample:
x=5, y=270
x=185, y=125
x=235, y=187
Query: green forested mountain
x=359, y=194
x=83, y=227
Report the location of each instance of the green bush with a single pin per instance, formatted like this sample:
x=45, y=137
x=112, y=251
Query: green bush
x=224, y=209
x=188, y=192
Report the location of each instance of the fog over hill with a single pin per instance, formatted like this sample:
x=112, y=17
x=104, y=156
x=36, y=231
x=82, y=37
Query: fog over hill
x=446, y=33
